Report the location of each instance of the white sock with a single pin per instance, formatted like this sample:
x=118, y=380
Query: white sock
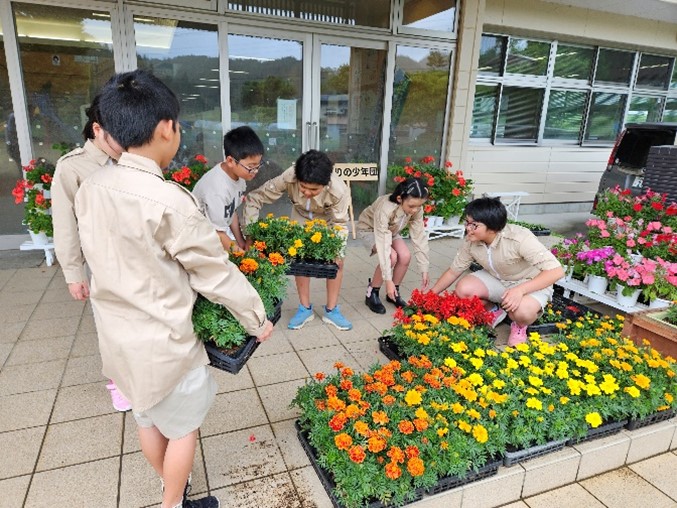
x=369, y=288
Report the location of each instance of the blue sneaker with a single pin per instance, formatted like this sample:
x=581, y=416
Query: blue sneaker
x=334, y=317
x=302, y=316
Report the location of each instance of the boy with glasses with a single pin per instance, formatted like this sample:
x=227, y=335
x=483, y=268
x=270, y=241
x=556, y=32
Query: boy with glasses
x=221, y=190
x=518, y=270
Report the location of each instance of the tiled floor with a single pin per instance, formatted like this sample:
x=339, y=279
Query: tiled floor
x=63, y=445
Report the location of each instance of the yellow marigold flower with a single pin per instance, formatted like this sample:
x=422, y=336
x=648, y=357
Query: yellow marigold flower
x=531, y=390
x=473, y=413
x=420, y=326
x=592, y=389
x=574, y=386
x=298, y=243
x=609, y=384
x=641, y=380
x=669, y=397
x=551, y=407
x=430, y=319
x=464, y=426
x=316, y=238
x=512, y=364
x=523, y=347
x=477, y=363
x=442, y=432
x=479, y=353
x=633, y=391
x=480, y=434
x=562, y=373
x=412, y=398
x=457, y=408
x=423, y=338
x=594, y=419
x=421, y=413
x=458, y=347
x=534, y=403
x=292, y=251
x=475, y=379
x=563, y=400
x=450, y=362
x=263, y=225
x=525, y=360
x=535, y=381
x=498, y=383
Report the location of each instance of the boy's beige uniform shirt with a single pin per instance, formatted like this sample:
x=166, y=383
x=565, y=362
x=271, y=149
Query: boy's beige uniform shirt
x=514, y=255
x=386, y=219
x=71, y=170
x=330, y=205
x=150, y=249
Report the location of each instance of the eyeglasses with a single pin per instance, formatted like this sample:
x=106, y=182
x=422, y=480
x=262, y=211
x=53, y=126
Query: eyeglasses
x=253, y=169
x=472, y=226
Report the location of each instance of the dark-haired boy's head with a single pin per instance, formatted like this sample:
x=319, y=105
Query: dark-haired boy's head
x=241, y=143
x=132, y=104
x=314, y=167
x=92, y=113
x=489, y=211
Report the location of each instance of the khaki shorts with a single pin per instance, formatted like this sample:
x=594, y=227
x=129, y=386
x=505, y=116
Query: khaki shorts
x=369, y=242
x=185, y=408
x=497, y=287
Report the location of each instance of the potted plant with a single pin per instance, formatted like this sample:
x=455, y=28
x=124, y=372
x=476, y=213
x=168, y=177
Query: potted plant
x=312, y=247
x=593, y=262
x=449, y=190
x=227, y=343
x=661, y=284
x=34, y=191
x=188, y=174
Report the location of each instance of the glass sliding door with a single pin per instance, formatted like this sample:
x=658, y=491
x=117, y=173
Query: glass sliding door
x=266, y=93
x=66, y=56
x=185, y=55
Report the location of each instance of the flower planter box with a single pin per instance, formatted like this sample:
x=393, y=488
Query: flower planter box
x=513, y=456
x=233, y=360
x=389, y=349
x=443, y=484
x=647, y=325
x=310, y=268
x=570, y=310
x=604, y=430
x=661, y=416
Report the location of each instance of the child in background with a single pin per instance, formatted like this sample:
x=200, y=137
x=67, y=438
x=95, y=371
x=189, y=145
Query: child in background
x=518, y=271
x=315, y=193
x=221, y=190
x=379, y=229
x=150, y=249
x=99, y=151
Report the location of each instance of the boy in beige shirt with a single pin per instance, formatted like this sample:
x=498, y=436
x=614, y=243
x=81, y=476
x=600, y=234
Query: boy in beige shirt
x=150, y=250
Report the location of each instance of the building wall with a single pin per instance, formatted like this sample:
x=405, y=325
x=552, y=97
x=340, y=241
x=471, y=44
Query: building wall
x=551, y=174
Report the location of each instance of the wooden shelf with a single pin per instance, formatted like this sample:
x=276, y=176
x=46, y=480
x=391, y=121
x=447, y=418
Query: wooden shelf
x=580, y=288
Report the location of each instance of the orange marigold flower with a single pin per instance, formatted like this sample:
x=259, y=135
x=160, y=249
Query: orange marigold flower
x=393, y=471
x=354, y=394
x=320, y=404
x=331, y=390
x=396, y=454
x=415, y=466
x=319, y=376
x=343, y=441
x=337, y=422
x=276, y=258
x=406, y=427
x=380, y=417
x=260, y=246
x=412, y=451
x=361, y=428
x=408, y=376
x=346, y=384
x=389, y=400
x=336, y=404
x=383, y=431
x=347, y=372
x=357, y=454
x=338, y=365
x=248, y=265
x=420, y=424
x=352, y=411
x=376, y=444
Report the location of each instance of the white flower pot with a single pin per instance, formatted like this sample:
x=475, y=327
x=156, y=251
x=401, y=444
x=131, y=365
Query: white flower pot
x=39, y=238
x=659, y=303
x=568, y=272
x=626, y=301
x=597, y=284
x=47, y=194
x=434, y=221
x=454, y=220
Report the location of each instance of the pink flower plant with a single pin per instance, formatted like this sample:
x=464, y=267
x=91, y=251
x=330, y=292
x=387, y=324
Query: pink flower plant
x=593, y=260
x=631, y=275
x=662, y=283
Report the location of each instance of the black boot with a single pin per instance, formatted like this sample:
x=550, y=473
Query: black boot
x=398, y=302
x=373, y=301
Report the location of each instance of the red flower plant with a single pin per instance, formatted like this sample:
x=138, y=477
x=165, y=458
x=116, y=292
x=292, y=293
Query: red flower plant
x=443, y=306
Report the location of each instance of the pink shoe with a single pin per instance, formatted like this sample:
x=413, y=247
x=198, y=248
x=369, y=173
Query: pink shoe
x=497, y=316
x=518, y=334
x=120, y=403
